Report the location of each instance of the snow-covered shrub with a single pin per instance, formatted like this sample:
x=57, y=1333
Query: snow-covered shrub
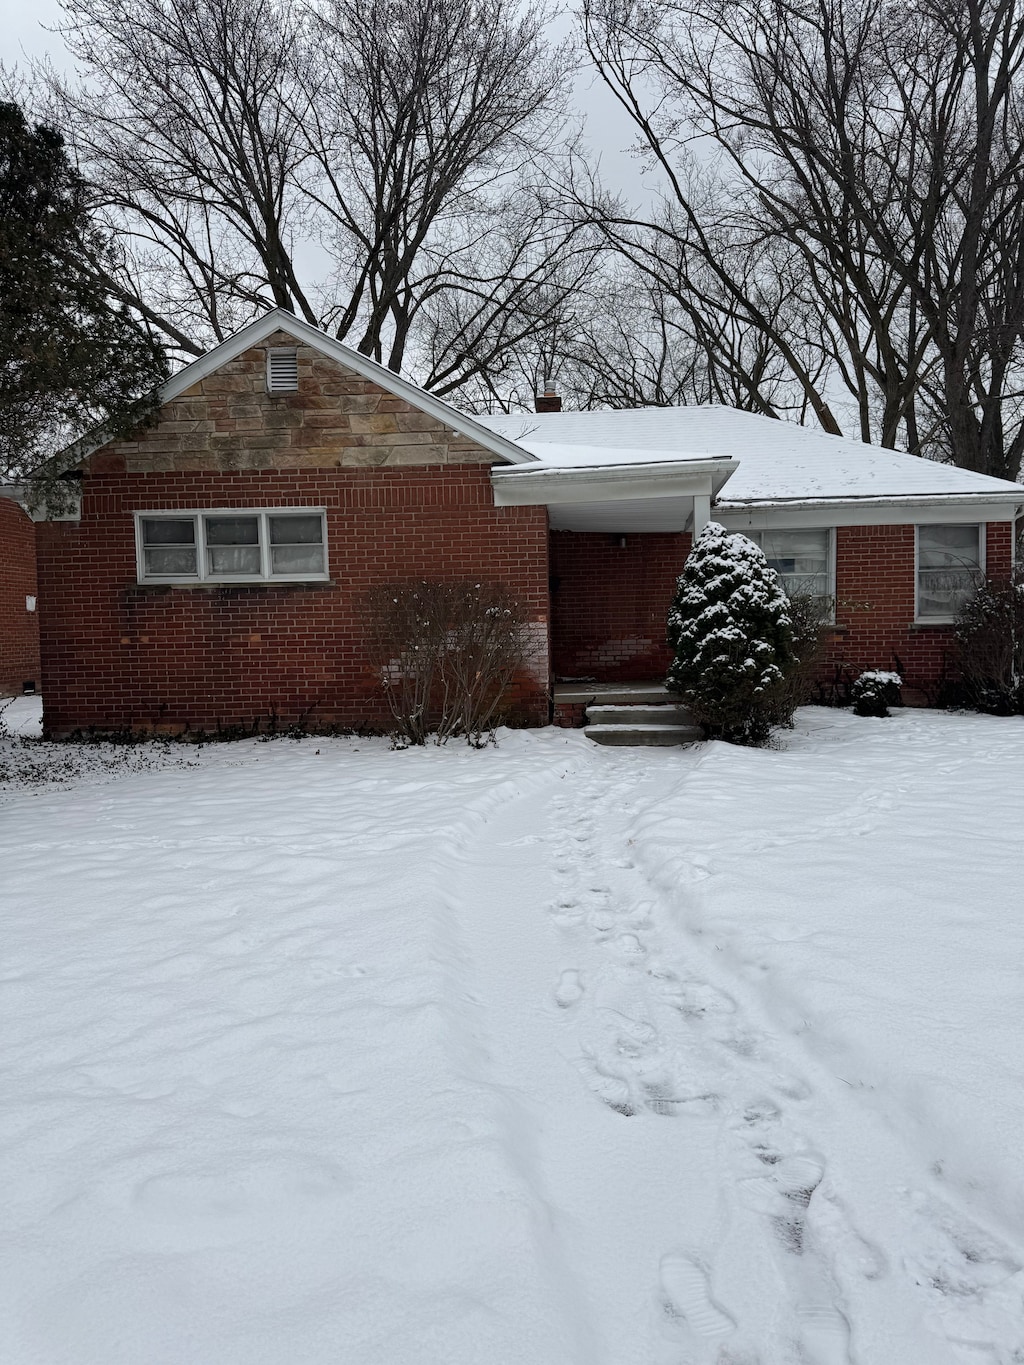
x=732, y=633
x=990, y=644
x=875, y=691
x=446, y=655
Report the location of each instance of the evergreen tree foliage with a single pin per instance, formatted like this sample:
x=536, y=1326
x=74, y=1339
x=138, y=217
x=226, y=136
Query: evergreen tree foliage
x=732, y=633
x=71, y=359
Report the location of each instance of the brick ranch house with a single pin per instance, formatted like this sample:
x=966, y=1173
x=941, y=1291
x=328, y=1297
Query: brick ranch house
x=215, y=571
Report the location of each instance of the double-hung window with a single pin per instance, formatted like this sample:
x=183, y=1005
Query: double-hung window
x=233, y=546
x=950, y=565
x=803, y=559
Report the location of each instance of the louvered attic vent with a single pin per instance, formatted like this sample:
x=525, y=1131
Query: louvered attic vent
x=282, y=369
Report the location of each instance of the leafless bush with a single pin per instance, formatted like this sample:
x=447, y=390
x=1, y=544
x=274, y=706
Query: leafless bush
x=990, y=644
x=809, y=618
x=446, y=655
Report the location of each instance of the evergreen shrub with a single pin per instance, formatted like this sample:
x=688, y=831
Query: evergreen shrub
x=732, y=631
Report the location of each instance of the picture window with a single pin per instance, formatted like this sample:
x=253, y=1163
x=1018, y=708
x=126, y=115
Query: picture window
x=232, y=546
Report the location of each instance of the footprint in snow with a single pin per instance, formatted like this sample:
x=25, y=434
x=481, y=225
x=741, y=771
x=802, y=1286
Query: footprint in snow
x=569, y=989
x=854, y=1254
x=825, y=1334
x=687, y=1297
x=791, y=1179
x=783, y=1193
x=565, y=911
x=975, y=1283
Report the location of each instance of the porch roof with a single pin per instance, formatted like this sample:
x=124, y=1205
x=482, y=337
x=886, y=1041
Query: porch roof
x=651, y=495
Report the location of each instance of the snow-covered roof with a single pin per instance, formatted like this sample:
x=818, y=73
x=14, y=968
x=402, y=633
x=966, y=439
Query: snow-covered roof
x=778, y=461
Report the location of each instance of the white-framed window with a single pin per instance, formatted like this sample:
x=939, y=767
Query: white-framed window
x=950, y=565
x=232, y=545
x=803, y=559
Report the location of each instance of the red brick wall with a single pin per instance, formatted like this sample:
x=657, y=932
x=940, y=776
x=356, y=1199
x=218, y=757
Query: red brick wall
x=120, y=656
x=19, y=628
x=609, y=603
x=875, y=570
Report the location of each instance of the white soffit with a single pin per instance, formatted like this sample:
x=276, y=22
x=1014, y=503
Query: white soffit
x=628, y=517
x=548, y=486
x=866, y=512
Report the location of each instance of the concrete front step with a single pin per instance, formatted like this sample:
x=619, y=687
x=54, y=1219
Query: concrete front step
x=643, y=734
x=666, y=713
x=612, y=694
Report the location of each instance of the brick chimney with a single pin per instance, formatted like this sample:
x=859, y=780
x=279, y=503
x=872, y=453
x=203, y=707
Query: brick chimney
x=549, y=400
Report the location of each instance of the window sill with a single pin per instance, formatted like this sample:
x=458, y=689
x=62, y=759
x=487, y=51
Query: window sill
x=933, y=625
x=213, y=585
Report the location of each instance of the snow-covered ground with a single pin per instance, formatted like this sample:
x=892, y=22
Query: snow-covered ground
x=318, y=1052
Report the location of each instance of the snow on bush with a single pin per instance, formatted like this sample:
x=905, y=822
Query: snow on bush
x=732, y=634
x=875, y=691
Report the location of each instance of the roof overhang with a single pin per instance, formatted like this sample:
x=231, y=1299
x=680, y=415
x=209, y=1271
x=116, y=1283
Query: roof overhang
x=617, y=498
x=794, y=513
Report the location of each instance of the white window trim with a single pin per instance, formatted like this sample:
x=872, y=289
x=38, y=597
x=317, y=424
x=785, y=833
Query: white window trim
x=920, y=620
x=202, y=575
x=830, y=619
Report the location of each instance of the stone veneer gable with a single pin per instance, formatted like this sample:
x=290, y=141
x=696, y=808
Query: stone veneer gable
x=228, y=421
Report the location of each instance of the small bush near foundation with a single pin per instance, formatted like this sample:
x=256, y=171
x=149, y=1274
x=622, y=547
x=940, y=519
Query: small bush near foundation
x=809, y=618
x=732, y=632
x=446, y=655
x=990, y=644
x=874, y=692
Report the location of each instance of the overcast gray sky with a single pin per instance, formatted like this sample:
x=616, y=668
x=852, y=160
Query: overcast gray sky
x=26, y=33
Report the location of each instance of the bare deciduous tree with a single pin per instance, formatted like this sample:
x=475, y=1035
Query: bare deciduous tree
x=844, y=179
x=366, y=165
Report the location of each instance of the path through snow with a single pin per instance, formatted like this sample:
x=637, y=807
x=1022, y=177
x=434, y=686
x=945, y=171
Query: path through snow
x=545, y=1054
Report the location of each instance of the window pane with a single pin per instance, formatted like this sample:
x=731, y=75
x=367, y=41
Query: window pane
x=800, y=558
x=168, y=531
x=233, y=559
x=948, y=546
x=949, y=568
x=232, y=531
x=296, y=530
x=297, y=559
x=177, y=560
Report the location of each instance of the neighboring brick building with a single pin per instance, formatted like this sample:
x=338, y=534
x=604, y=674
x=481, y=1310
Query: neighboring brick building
x=19, y=620
x=217, y=573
